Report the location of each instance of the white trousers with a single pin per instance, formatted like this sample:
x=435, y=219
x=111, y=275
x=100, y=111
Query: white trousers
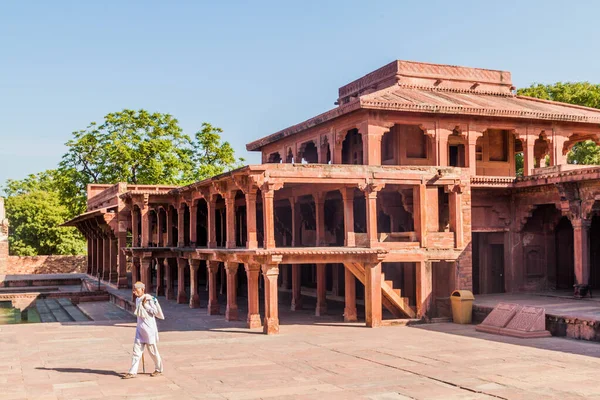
x=138, y=350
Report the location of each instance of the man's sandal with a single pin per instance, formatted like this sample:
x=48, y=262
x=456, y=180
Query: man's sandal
x=128, y=376
x=155, y=373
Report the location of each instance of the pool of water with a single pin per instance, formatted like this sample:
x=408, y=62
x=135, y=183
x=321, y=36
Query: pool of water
x=12, y=315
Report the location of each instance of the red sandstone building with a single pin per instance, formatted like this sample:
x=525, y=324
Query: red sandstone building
x=404, y=192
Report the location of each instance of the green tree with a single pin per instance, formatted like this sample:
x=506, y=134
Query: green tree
x=34, y=209
x=578, y=93
x=211, y=156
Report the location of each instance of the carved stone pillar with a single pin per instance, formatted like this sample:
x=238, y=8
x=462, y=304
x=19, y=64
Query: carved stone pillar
x=373, y=295
x=442, y=153
x=296, y=287
x=99, y=255
x=348, y=199
x=181, y=225
x=194, y=296
x=473, y=136
x=169, y=290
x=182, y=297
x=146, y=273
x=271, y=323
x=252, y=273
x=528, y=155
x=251, y=236
x=557, y=155
x=211, y=228
x=319, y=218
x=371, y=212
x=121, y=260
x=160, y=285
x=321, y=308
x=231, y=312
x=420, y=213
x=193, y=224
x=230, y=219
x=212, y=268
x=371, y=136
x=106, y=257
x=424, y=287
x=145, y=215
x=170, y=238
x=350, y=296
x=581, y=250
x=268, y=194
x=135, y=235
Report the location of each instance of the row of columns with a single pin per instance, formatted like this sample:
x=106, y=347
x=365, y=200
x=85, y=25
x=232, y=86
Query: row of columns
x=105, y=260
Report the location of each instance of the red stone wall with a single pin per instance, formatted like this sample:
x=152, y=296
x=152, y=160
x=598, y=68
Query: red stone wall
x=46, y=265
x=3, y=256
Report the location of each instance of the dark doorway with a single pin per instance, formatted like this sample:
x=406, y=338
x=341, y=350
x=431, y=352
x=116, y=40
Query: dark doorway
x=564, y=255
x=595, y=253
x=497, y=268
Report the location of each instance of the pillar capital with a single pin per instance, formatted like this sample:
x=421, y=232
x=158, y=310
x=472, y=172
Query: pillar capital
x=270, y=270
x=231, y=266
x=195, y=264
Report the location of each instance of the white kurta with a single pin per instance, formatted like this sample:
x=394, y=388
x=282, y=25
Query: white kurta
x=146, y=331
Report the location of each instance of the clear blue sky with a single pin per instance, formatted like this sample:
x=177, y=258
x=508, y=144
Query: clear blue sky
x=252, y=68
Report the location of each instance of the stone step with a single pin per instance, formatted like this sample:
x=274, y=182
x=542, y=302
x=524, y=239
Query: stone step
x=44, y=311
x=74, y=312
x=59, y=313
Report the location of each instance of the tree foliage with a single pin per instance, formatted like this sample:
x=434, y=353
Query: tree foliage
x=139, y=147
x=578, y=93
x=35, y=211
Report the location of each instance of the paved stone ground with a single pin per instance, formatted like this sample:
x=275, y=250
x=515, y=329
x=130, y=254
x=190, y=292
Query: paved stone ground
x=207, y=358
x=557, y=303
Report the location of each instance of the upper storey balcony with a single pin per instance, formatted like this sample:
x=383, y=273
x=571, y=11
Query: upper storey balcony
x=410, y=114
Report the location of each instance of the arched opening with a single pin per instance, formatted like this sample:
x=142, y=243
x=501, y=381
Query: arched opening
x=283, y=223
x=352, y=148
x=274, y=158
x=201, y=223
x=456, y=150
x=152, y=228
x=565, y=275
x=309, y=153
x=394, y=222
x=495, y=153
x=290, y=157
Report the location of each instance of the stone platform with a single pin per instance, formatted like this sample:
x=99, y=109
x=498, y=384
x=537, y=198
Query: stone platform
x=565, y=316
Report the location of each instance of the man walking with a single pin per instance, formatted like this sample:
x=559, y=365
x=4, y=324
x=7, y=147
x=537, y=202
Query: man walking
x=146, y=333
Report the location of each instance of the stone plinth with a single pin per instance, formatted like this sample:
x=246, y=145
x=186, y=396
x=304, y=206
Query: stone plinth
x=516, y=321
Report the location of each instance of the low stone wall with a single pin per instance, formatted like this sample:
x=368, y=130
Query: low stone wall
x=20, y=265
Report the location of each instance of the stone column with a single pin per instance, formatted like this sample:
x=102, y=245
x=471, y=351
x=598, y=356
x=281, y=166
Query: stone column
x=93, y=257
x=194, y=296
x=170, y=238
x=473, y=136
x=169, y=292
x=99, y=256
x=106, y=257
x=420, y=213
x=271, y=323
x=424, y=287
x=230, y=219
x=182, y=297
x=211, y=228
x=135, y=235
x=193, y=224
x=581, y=250
x=456, y=222
x=90, y=254
x=251, y=236
x=181, y=225
x=442, y=153
x=319, y=218
x=114, y=261
x=557, y=157
x=231, y=312
x=146, y=273
x=213, y=300
x=159, y=227
x=122, y=260
x=268, y=195
x=321, y=308
x=135, y=273
x=252, y=273
x=296, y=287
x=160, y=274
x=350, y=296
x=145, y=234
x=371, y=136
x=371, y=201
x=528, y=155
x=348, y=198
x=373, y=305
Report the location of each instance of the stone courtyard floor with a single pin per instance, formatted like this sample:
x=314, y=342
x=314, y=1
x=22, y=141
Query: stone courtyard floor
x=206, y=357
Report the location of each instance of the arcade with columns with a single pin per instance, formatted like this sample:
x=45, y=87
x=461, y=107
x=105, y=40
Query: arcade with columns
x=409, y=189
